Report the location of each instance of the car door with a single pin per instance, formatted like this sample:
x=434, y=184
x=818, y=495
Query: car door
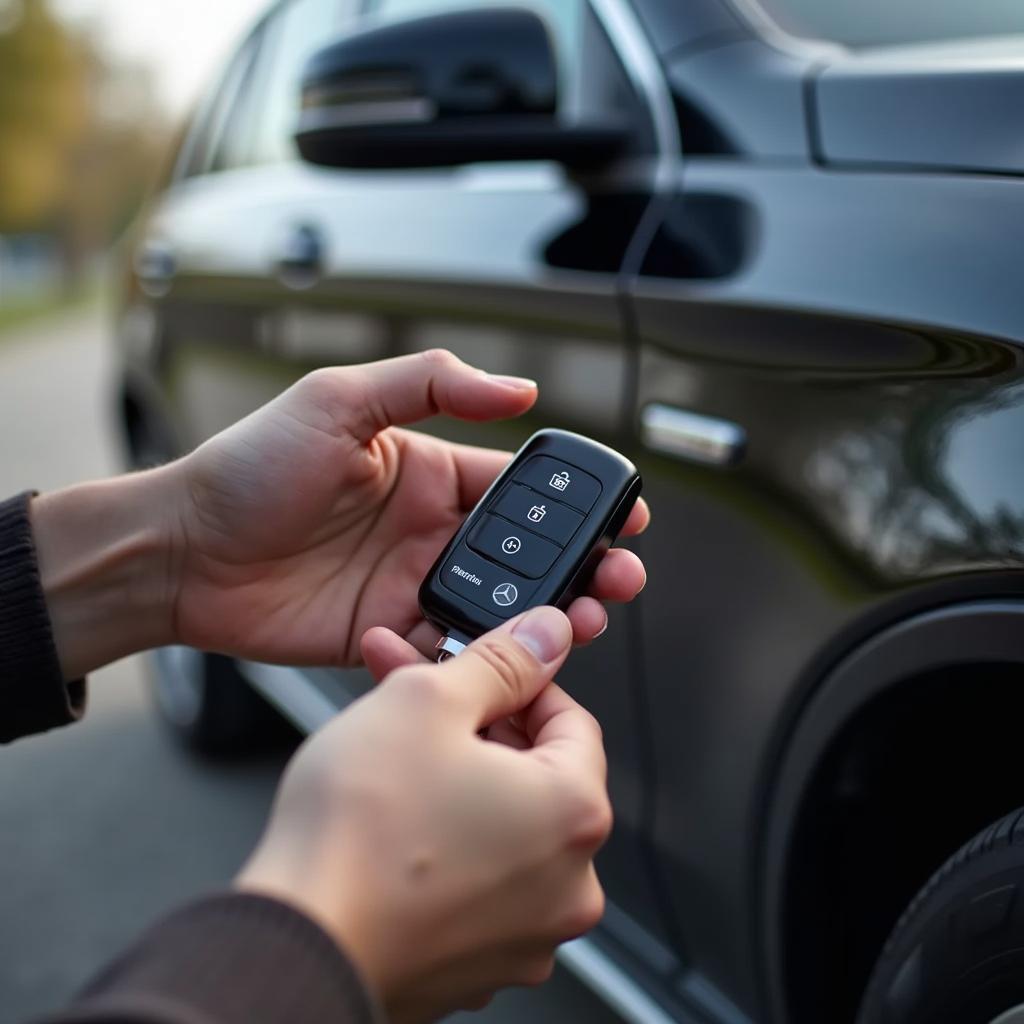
x=281, y=267
x=226, y=253
x=513, y=267
x=814, y=317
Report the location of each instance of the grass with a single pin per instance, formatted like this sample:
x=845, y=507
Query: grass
x=21, y=311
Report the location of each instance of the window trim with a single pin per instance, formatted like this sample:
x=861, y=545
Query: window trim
x=185, y=166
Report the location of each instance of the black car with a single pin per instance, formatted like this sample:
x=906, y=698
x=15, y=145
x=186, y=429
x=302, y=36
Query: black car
x=776, y=257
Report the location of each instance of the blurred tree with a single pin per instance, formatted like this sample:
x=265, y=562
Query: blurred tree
x=80, y=138
x=43, y=113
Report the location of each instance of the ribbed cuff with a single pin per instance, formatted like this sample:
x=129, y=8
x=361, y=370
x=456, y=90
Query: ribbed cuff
x=236, y=958
x=33, y=694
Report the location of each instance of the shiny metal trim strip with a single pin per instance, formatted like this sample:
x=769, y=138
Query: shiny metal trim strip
x=692, y=436
x=638, y=57
x=600, y=973
x=411, y=110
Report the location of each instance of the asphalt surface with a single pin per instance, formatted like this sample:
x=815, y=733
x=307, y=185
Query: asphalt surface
x=105, y=825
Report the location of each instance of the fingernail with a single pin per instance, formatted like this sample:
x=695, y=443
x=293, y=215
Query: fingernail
x=519, y=383
x=545, y=632
x=603, y=629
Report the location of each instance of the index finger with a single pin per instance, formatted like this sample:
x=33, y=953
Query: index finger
x=564, y=733
x=639, y=519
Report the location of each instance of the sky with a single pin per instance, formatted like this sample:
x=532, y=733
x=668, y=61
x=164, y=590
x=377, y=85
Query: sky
x=184, y=42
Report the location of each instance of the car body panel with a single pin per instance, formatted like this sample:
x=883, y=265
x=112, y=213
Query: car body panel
x=944, y=106
x=870, y=473
x=859, y=326
x=749, y=93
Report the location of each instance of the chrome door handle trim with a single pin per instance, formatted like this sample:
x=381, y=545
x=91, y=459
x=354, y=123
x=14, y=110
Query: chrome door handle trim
x=692, y=436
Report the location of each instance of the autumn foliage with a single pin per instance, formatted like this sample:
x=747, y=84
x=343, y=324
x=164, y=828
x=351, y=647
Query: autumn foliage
x=80, y=139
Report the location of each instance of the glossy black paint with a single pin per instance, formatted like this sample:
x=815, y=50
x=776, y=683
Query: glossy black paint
x=602, y=485
x=860, y=319
x=905, y=107
x=469, y=63
x=454, y=88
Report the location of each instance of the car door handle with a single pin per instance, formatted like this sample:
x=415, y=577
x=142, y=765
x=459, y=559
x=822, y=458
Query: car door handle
x=692, y=436
x=301, y=260
x=155, y=266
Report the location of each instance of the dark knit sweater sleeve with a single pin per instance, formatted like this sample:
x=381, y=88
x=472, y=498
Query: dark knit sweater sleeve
x=33, y=694
x=230, y=959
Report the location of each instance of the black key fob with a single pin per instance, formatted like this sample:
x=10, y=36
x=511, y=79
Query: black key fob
x=534, y=538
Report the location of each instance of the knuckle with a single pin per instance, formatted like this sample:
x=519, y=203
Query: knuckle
x=320, y=385
x=591, y=821
x=326, y=395
x=441, y=358
x=479, y=1001
x=537, y=971
x=585, y=913
x=596, y=726
x=593, y=724
x=507, y=664
x=417, y=684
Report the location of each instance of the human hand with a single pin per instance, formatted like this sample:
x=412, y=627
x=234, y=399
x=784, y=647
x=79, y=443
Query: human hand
x=448, y=865
x=314, y=518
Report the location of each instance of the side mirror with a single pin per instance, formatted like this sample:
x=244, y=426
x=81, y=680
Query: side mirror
x=452, y=88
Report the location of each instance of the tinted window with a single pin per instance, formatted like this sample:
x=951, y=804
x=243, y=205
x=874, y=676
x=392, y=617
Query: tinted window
x=861, y=23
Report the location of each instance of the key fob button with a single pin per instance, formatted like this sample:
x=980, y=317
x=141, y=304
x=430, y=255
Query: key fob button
x=504, y=542
x=531, y=510
x=485, y=584
x=535, y=539
x=559, y=480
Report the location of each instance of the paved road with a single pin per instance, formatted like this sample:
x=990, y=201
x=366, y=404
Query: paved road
x=105, y=825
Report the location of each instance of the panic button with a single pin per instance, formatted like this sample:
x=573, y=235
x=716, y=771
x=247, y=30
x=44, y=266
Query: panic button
x=559, y=480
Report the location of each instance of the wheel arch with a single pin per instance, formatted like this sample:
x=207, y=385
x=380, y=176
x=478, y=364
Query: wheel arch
x=866, y=762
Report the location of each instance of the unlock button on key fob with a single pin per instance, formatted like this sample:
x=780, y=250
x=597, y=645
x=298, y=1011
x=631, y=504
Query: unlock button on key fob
x=507, y=544
x=556, y=479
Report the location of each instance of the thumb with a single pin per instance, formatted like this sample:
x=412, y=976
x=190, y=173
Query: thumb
x=413, y=387
x=504, y=670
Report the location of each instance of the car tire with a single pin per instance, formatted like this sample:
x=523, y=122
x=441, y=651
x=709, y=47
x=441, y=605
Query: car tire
x=957, y=954
x=209, y=706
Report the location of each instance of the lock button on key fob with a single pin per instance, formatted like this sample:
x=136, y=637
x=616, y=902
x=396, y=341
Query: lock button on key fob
x=535, y=537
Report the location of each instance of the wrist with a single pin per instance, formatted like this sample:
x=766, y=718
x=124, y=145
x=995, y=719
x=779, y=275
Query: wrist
x=287, y=876
x=109, y=556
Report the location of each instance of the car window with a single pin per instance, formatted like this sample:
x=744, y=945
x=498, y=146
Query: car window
x=263, y=118
x=564, y=17
x=300, y=29
x=863, y=23
x=203, y=139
